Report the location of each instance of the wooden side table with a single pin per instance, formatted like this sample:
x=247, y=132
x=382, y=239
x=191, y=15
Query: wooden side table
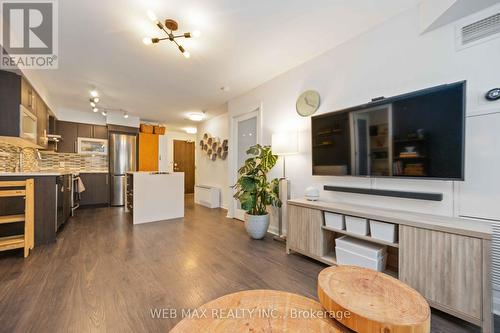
x=260, y=311
x=375, y=301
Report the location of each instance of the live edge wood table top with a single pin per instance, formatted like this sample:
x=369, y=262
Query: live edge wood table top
x=260, y=311
x=454, y=225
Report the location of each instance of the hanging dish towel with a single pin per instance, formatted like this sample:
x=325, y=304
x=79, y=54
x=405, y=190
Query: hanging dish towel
x=81, y=187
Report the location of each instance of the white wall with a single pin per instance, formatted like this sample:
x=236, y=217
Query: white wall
x=166, y=148
x=389, y=60
x=214, y=173
x=81, y=117
x=113, y=117
x=116, y=118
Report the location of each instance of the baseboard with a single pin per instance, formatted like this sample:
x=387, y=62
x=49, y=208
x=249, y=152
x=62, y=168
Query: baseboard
x=273, y=231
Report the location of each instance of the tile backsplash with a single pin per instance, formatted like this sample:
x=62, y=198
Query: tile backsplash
x=9, y=158
x=72, y=162
x=50, y=161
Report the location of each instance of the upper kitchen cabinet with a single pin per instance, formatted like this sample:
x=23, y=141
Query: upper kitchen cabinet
x=42, y=116
x=70, y=132
x=100, y=132
x=84, y=130
x=10, y=98
x=28, y=98
x=69, y=136
x=23, y=113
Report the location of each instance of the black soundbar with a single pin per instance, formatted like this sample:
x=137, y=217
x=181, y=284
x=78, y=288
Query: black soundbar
x=387, y=193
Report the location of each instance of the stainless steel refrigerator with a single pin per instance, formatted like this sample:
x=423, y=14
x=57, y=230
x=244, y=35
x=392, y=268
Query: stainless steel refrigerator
x=122, y=159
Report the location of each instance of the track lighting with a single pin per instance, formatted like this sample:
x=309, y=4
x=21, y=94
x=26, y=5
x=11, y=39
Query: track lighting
x=92, y=104
x=125, y=115
x=169, y=26
x=95, y=109
x=94, y=93
x=104, y=113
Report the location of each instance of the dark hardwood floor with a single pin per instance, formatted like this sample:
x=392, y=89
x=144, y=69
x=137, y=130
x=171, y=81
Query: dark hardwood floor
x=104, y=274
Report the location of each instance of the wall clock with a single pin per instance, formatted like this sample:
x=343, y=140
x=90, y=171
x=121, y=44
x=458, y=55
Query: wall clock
x=307, y=103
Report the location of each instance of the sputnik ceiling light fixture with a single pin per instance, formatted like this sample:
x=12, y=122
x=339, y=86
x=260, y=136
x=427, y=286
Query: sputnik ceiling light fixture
x=169, y=26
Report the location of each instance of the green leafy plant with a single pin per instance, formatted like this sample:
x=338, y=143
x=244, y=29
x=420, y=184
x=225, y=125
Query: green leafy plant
x=253, y=190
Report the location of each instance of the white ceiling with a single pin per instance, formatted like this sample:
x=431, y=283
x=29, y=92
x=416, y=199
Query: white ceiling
x=243, y=44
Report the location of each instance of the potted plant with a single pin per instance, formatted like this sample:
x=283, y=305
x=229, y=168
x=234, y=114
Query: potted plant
x=255, y=192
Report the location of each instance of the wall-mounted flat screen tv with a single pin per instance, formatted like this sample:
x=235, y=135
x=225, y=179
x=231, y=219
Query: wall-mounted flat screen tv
x=415, y=135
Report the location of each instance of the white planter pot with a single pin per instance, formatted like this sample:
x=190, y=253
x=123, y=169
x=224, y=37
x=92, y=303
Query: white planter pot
x=257, y=225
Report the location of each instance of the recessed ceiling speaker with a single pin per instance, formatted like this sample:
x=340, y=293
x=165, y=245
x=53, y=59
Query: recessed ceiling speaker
x=493, y=94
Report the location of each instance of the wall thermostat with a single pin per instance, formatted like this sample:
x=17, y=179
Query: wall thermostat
x=493, y=94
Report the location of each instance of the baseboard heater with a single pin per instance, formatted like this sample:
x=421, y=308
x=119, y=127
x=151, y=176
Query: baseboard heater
x=387, y=193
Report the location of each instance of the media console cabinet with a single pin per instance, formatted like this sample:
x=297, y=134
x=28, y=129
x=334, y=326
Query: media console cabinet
x=447, y=260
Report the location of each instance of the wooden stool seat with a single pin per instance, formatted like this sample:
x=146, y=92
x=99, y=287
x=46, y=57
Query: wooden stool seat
x=376, y=302
x=259, y=311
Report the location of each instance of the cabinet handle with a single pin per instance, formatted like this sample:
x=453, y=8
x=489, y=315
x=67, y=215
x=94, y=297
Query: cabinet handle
x=107, y=179
x=74, y=148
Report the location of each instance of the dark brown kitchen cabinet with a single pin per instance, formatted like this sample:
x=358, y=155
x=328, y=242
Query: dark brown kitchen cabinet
x=28, y=95
x=10, y=96
x=69, y=135
x=85, y=130
x=17, y=97
x=100, y=132
x=70, y=132
x=42, y=121
x=96, y=189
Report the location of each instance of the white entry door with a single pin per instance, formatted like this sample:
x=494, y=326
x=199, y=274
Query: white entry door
x=246, y=133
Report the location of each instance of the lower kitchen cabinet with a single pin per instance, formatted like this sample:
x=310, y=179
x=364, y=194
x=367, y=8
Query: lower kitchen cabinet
x=96, y=189
x=45, y=209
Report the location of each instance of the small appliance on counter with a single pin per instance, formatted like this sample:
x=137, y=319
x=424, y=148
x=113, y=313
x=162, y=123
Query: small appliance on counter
x=312, y=193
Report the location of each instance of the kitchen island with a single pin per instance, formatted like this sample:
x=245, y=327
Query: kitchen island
x=155, y=196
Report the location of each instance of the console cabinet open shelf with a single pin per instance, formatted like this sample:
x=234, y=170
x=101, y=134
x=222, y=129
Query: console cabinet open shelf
x=447, y=260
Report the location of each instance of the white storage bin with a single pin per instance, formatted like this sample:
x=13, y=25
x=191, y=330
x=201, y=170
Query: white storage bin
x=356, y=252
x=383, y=231
x=334, y=221
x=345, y=257
x=364, y=248
x=357, y=225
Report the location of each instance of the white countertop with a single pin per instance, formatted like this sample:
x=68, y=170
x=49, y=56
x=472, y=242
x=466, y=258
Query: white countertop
x=32, y=173
x=44, y=173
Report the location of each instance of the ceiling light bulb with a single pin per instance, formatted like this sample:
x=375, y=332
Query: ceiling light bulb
x=95, y=99
x=195, y=33
x=92, y=104
x=94, y=93
x=191, y=130
x=147, y=41
x=104, y=113
x=186, y=54
x=125, y=115
x=195, y=116
x=95, y=109
x=152, y=16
